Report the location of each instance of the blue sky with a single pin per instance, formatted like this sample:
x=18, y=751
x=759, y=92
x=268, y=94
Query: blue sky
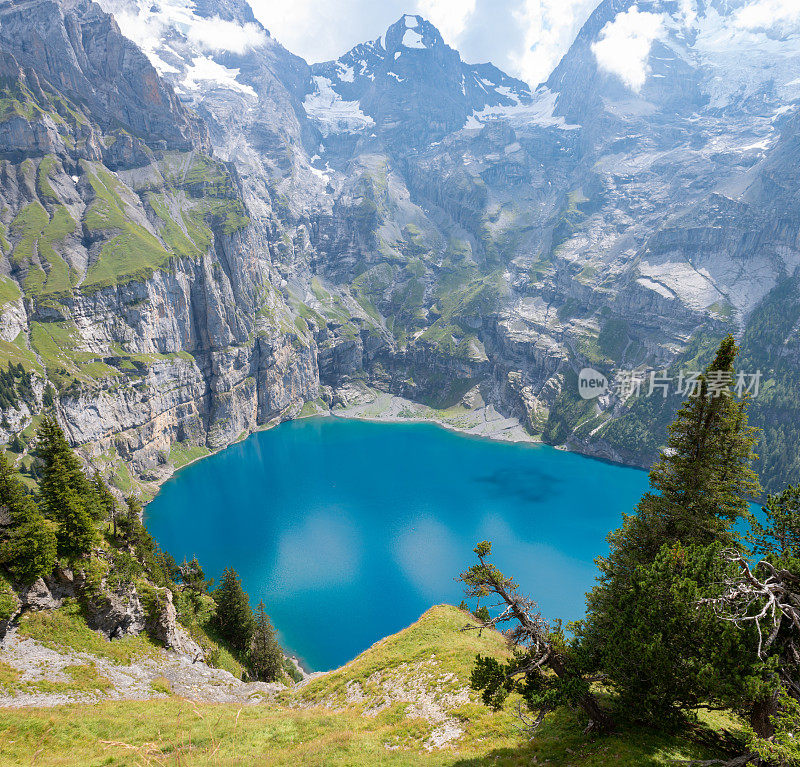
x=525, y=38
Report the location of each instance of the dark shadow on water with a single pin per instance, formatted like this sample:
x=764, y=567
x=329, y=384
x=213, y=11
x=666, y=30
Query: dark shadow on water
x=528, y=486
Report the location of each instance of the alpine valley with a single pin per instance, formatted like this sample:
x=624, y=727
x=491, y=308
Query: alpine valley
x=202, y=234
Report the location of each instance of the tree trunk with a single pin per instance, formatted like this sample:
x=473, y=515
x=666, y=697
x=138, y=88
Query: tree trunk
x=598, y=719
x=761, y=716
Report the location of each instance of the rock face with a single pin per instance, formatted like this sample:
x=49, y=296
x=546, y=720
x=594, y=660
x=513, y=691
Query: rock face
x=137, y=290
x=203, y=232
x=79, y=49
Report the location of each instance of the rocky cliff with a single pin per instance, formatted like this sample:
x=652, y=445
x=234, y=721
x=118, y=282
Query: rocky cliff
x=137, y=291
x=202, y=231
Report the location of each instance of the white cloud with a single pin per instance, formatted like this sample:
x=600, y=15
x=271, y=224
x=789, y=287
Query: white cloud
x=765, y=14
x=688, y=12
x=450, y=17
x=217, y=35
x=550, y=26
x=146, y=24
x=624, y=44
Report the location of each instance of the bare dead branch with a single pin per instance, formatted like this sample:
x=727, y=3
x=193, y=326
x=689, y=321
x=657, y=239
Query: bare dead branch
x=748, y=599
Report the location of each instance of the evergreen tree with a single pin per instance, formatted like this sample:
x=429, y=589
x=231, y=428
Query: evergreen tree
x=193, y=577
x=159, y=565
x=29, y=551
x=266, y=657
x=642, y=627
x=194, y=581
x=105, y=501
x=703, y=480
x=779, y=535
x=129, y=521
x=66, y=494
x=48, y=397
x=233, y=618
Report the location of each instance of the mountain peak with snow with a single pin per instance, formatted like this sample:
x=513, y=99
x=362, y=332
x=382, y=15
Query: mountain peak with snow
x=406, y=85
x=412, y=33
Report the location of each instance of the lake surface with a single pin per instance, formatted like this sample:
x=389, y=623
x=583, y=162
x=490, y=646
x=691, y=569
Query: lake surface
x=350, y=530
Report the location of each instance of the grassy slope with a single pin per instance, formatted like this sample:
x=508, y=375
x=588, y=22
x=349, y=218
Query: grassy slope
x=178, y=732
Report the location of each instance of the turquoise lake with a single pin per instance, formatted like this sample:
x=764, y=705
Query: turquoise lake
x=350, y=530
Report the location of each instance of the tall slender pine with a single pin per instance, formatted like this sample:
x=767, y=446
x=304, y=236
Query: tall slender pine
x=66, y=494
x=266, y=657
x=642, y=627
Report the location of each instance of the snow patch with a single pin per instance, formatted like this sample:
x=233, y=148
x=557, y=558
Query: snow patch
x=412, y=39
x=745, y=60
x=473, y=123
x=346, y=74
x=148, y=24
x=504, y=90
x=539, y=112
x=206, y=70
x=332, y=113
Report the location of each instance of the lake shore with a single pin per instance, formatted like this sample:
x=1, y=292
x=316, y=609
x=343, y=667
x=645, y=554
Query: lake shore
x=365, y=404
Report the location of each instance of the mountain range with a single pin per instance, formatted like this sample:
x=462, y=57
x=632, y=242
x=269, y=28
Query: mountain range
x=204, y=235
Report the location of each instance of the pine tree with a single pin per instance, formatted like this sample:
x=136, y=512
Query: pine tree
x=779, y=534
x=194, y=581
x=703, y=480
x=130, y=521
x=66, y=495
x=48, y=397
x=105, y=501
x=266, y=656
x=192, y=576
x=233, y=618
x=642, y=626
x=29, y=551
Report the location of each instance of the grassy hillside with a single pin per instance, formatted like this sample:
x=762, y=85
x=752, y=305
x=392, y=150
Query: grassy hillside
x=383, y=708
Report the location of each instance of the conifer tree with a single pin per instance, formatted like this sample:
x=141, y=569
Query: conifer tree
x=66, y=494
x=265, y=657
x=105, y=501
x=29, y=551
x=130, y=520
x=642, y=627
x=779, y=533
x=233, y=618
x=703, y=480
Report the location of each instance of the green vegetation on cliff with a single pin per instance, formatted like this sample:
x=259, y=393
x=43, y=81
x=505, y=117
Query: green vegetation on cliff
x=132, y=252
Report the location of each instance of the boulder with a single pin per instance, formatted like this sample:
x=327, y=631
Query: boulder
x=118, y=613
x=163, y=627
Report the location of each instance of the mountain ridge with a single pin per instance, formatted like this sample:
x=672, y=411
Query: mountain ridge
x=456, y=240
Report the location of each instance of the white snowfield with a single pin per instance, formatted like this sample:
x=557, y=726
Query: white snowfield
x=205, y=71
x=332, y=113
x=150, y=24
x=412, y=39
x=539, y=112
x=754, y=49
